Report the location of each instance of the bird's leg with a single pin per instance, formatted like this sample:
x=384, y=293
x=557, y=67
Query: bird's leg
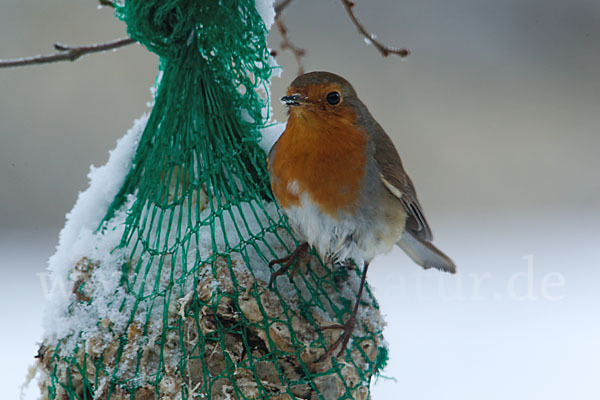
x=348, y=327
x=295, y=256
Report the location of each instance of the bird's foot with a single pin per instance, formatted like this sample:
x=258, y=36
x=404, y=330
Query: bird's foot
x=348, y=327
x=293, y=259
x=342, y=341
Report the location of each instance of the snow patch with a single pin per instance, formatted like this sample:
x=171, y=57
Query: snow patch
x=270, y=134
x=266, y=11
x=78, y=239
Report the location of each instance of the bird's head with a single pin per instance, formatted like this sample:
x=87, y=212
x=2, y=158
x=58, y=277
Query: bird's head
x=322, y=95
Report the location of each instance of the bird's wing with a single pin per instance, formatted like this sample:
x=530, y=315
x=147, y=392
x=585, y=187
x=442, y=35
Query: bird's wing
x=396, y=180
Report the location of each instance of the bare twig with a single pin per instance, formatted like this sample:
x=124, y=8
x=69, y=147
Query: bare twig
x=383, y=49
x=279, y=7
x=67, y=53
x=108, y=3
x=286, y=44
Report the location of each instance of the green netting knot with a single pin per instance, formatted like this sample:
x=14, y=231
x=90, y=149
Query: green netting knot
x=167, y=27
x=162, y=26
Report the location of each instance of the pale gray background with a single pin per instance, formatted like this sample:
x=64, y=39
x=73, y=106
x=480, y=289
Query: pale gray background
x=496, y=115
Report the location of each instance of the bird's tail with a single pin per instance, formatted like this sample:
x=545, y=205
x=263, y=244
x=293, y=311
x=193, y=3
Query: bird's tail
x=424, y=253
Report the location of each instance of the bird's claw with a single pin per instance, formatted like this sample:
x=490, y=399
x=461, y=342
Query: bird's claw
x=342, y=341
x=289, y=260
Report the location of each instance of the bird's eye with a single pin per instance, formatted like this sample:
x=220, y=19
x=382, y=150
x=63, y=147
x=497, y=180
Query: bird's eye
x=333, y=98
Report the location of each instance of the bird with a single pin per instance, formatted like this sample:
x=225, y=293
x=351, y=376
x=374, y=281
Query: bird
x=339, y=180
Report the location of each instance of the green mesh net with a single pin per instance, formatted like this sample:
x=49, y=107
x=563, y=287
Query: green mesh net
x=169, y=298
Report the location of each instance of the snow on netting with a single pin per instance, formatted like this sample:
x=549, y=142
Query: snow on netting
x=165, y=256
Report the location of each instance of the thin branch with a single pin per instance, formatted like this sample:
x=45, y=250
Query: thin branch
x=279, y=7
x=66, y=53
x=286, y=44
x=383, y=49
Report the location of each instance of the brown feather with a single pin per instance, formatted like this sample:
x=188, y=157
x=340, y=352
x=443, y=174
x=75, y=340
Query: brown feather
x=393, y=172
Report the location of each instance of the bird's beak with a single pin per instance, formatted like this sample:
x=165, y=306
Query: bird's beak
x=293, y=100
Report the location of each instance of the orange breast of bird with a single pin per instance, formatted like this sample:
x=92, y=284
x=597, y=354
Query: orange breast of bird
x=322, y=157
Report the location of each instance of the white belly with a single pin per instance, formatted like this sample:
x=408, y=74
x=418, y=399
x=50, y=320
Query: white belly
x=344, y=237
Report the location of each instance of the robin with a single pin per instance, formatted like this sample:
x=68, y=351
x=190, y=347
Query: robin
x=339, y=179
